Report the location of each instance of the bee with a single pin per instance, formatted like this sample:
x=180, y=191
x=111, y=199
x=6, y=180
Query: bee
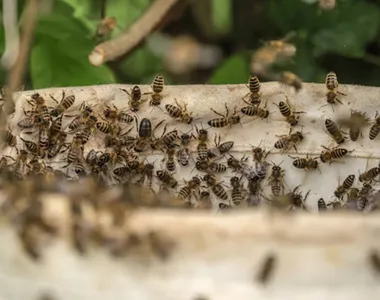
x=54, y=130
x=288, y=141
x=57, y=145
x=63, y=105
x=225, y=119
x=9, y=138
x=135, y=100
x=75, y=150
x=145, y=133
x=343, y=188
x=276, y=180
x=40, y=108
x=165, y=140
x=183, y=154
x=307, y=163
x=81, y=119
x=220, y=148
x=204, y=201
x=179, y=112
x=210, y=167
x=105, y=27
x=88, y=129
x=369, y=175
x=322, y=205
x=169, y=161
x=147, y=173
x=43, y=137
x=241, y=167
x=33, y=148
x=254, y=91
x=332, y=84
x=79, y=168
x=216, y=188
x=157, y=87
x=375, y=128
x=113, y=115
x=255, y=111
x=188, y=190
x=202, y=135
x=291, y=79
x=355, y=124
x=331, y=154
x=288, y=112
x=334, y=131
x=28, y=122
x=237, y=193
x=266, y=269
x=166, y=178
x=296, y=199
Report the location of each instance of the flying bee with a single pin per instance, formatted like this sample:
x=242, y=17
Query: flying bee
x=189, y=189
x=166, y=178
x=105, y=28
x=157, y=87
x=255, y=111
x=334, y=131
x=254, y=91
x=220, y=148
x=63, y=105
x=75, y=150
x=288, y=112
x=238, y=194
x=267, y=268
x=135, y=99
x=216, y=188
x=291, y=79
x=330, y=154
x=375, y=128
x=179, y=112
x=332, y=84
x=276, y=180
x=322, y=205
x=355, y=123
x=288, y=141
x=225, y=119
x=307, y=163
x=369, y=175
x=345, y=186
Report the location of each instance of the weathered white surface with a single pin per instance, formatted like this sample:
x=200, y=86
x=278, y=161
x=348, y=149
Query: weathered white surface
x=218, y=256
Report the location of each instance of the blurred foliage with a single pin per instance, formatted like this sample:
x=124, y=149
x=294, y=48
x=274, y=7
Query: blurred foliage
x=345, y=40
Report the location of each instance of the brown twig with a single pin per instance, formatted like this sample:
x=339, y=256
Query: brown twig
x=124, y=43
x=17, y=72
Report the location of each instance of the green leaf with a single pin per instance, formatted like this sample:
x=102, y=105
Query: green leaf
x=222, y=15
x=81, y=11
x=356, y=25
x=233, y=70
x=60, y=55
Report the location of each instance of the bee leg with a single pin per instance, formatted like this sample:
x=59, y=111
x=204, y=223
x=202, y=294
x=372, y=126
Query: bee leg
x=340, y=93
x=338, y=101
x=219, y=114
x=124, y=90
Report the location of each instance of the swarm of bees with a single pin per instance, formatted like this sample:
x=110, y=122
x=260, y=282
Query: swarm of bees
x=53, y=149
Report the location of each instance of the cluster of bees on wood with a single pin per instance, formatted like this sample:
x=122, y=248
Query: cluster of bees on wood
x=45, y=133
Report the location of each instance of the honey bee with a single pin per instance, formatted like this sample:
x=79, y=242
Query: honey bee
x=345, y=186
x=322, y=205
x=330, y=154
x=334, y=131
x=307, y=163
x=266, y=269
x=165, y=140
x=276, y=180
x=332, y=84
x=296, y=199
x=145, y=134
x=254, y=91
x=220, y=148
x=183, y=154
x=63, y=105
x=135, y=100
x=28, y=122
x=238, y=194
x=288, y=141
x=355, y=123
x=105, y=28
x=88, y=129
x=255, y=111
x=179, y=112
x=210, y=167
x=81, y=119
x=9, y=138
x=189, y=189
x=75, y=150
x=166, y=178
x=57, y=145
x=33, y=148
x=170, y=163
x=157, y=87
x=40, y=108
x=292, y=117
x=113, y=115
x=147, y=173
x=291, y=79
x=375, y=128
x=43, y=137
x=216, y=188
x=225, y=119
x=369, y=175
x=204, y=201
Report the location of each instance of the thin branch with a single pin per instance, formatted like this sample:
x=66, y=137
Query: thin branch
x=17, y=73
x=11, y=34
x=124, y=43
